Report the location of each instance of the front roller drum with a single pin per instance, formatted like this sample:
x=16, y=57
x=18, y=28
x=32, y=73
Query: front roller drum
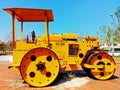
x=100, y=66
x=39, y=67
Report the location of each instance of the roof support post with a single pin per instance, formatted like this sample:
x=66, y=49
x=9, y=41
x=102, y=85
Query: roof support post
x=21, y=32
x=47, y=32
x=13, y=31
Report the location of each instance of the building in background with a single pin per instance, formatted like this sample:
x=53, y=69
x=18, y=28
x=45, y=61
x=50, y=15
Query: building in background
x=111, y=49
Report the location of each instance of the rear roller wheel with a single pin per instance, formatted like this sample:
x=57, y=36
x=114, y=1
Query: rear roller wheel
x=102, y=66
x=39, y=67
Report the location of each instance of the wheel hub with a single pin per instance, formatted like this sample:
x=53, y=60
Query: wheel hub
x=40, y=66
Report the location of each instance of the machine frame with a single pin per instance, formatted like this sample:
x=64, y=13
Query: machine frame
x=41, y=60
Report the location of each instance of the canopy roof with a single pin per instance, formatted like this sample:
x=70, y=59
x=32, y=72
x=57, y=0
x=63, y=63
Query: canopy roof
x=30, y=14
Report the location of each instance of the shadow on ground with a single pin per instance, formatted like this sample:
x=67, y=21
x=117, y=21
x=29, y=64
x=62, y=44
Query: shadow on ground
x=67, y=76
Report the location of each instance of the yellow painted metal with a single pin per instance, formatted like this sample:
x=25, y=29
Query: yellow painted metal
x=108, y=70
x=59, y=44
x=101, y=66
x=67, y=51
x=95, y=67
x=47, y=32
x=41, y=79
x=39, y=67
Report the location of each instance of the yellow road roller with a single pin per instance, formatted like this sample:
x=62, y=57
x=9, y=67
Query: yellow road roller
x=40, y=59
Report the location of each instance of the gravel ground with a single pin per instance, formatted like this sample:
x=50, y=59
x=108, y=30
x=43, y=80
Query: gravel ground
x=10, y=80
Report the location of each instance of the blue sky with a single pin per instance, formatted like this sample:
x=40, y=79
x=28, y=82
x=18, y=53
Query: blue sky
x=70, y=16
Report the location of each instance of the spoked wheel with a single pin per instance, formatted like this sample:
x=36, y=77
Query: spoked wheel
x=101, y=66
x=39, y=67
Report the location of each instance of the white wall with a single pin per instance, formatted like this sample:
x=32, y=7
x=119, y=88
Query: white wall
x=8, y=58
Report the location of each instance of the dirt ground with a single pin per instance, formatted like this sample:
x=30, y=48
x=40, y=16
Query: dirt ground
x=10, y=80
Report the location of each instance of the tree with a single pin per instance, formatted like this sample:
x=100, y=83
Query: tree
x=117, y=28
x=105, y=34
x=117, y=14
x=6, y=45
x=109, y=34
x=8, y=37
x=2, y=47
x=8, y=41
x=101, y=33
